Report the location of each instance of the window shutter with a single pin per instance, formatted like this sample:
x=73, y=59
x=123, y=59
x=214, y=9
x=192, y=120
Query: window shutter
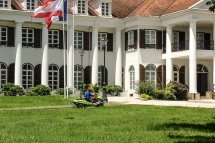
x=159, y=39
x=110, y=42
x=135, y=39
x=37, y=75
x=126, y=41
x=60, y=39
x=37, y=38
x=164, y=41
x=87, y=40
x=90, y=41
x=87, y=74
x=142, y=38
x=161, y=76
x=207, y=41
x=182, y=75
x=61, y=77
x=10, y=73
x=10, y=37
x=142, y=73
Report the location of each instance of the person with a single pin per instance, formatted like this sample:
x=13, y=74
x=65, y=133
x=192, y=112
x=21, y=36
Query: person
x=88, y=95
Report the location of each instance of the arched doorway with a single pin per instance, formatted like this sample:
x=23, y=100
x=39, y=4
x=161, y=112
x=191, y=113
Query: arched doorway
x=202, y=79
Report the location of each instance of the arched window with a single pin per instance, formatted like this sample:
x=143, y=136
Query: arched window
x=175, y=73
x=27, y=76
x=78, y=76
x=53, y=76
x=150, y=75
x=132, y=77
x=201, y=68
x=3, y=74
x=102, y=78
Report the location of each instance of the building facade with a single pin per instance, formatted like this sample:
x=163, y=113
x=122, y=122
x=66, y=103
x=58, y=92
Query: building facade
x=147, y=40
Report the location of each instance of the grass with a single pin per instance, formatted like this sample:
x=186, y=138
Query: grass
x=32, y=101
x=111, y=124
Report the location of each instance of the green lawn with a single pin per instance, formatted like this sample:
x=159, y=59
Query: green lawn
x=111, y=124
x=32, y=101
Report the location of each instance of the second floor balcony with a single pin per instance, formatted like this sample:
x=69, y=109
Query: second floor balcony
x=200, y=45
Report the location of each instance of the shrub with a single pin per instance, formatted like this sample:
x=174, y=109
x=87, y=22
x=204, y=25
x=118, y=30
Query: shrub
x=40, y=90
x=163, y=95
x=9, y=89
x=96, y=88
x=179, y=90
x=168, y=95
x=29, y=92
x=145, y=96
x=159, y=94
x=145, y=87
x=113, y=90
x=60, y=91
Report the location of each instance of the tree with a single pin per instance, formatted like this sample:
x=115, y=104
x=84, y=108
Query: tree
x=211, y=4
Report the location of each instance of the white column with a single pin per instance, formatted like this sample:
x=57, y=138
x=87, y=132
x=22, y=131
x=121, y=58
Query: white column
x=70, y=57
x=169, y=65
x=9, y=4
x=192, y=58
x=95, y=55
x=44, y=69
x=118, y=68
x=18, y=58
x=214, y=57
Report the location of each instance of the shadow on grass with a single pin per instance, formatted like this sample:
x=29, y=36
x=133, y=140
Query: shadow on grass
x=207, y=128
x=70, y=118
x=193, y=139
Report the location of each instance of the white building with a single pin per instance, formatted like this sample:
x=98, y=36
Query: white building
x=152, y=40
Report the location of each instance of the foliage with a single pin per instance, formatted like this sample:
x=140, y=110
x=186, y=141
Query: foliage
x=60, y=91
x=145, y=87
x=40, y=90
x=179, y=90
x=164, y=95
x=9, y=89
x=211, y=4
x=145, y=96
x=173, y=91
x=96, y=88
x=113, y=90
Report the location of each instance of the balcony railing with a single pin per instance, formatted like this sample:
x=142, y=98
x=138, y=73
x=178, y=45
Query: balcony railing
x=150, y=46
x=180, y=46
x=205, y=44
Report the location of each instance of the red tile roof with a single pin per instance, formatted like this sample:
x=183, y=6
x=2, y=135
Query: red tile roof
x=152, y=8
x=16, y=4
x=122, y=8
x=129, y=8
x=161, y=7
x=180, y=5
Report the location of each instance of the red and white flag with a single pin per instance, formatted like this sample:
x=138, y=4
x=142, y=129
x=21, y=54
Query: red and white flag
x=51, y=10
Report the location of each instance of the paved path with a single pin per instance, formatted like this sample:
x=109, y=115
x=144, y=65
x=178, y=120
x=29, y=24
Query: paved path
x=133, y=100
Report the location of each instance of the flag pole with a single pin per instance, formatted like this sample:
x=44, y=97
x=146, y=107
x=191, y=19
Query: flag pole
x=64, y=56
x=73, y=32
x=67, y=18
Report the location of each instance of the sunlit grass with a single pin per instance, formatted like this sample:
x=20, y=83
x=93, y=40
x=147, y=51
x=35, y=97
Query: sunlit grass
x=32, y=101
x=110, y=124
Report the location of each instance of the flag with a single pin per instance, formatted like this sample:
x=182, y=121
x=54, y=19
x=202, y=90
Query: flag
x=51, y=10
